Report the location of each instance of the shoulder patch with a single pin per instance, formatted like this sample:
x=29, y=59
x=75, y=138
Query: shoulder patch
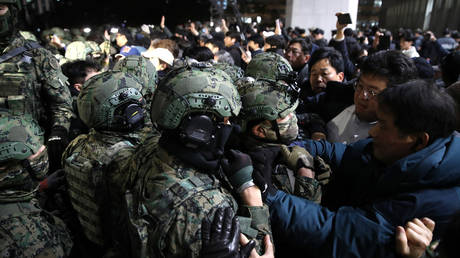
x=54, y=63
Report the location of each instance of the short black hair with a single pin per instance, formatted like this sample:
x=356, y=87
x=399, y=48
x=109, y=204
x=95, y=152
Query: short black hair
x=216, y=42
x=420, y=106
x=348, y=32
x=407, y=35
x=76, y=71
x=335, y=58
x=305, y=43
x=450, y=67
x=200, y=54
x=390, y=64
x=127, y=34
x=277, y=41
x=318, y=31
x=425, y=70
x=234, y=35
x=259, y=40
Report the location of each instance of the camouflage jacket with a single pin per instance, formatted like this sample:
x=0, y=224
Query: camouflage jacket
x=95, y=171
x=32, y=82
x=284, y=178
x=177, y=198
x=28, y=231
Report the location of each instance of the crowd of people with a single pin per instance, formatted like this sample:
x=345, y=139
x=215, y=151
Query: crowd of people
x=228, y=140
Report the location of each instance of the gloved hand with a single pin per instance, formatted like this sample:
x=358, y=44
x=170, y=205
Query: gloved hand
x=238, y=169
x=57, y=142
x=263, y=160
x=297, y=157
x=322, y=170
x=53, y=181
x=221, y=239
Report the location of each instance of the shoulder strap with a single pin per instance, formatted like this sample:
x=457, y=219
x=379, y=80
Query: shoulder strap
x=17, y=51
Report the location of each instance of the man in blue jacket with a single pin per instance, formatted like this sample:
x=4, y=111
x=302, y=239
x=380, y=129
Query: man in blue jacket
x=408, y=169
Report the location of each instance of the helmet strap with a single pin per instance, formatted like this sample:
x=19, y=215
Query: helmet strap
x=276, y=129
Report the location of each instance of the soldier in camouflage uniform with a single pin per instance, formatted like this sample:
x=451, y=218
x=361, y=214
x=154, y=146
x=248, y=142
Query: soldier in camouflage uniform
x=31, y=82
x=111, y=104
x=25, y=229
x=270, y=124
x=234, y=71
x=182, y=179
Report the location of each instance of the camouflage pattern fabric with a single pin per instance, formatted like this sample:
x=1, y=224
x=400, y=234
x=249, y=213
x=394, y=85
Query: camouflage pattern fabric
x=95, y=173
x=20, y=129
x=20, y=137
x=265, y=100
x=284, y=178
x=75, y=51
x=103, y=98
x=145, y=71
x=80, y=50
x=28, y=35
x=177, y=198
x=195, y=87
x=28, y=231
x=34, y=84
x=269, y=66
x=234, y=71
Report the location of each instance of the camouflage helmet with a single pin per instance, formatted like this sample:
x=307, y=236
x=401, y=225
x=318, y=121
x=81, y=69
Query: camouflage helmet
x=92, y=48
x=266, y=100
x=194, y=88
x=111, y=100
x=234, y=71
x=20, y=137
x=76, y=51
x=270, y=66
x=143, y=69
x=58, y=32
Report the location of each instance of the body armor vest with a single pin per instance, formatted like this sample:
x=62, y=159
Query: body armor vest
x=19, y=85
x=87, y=189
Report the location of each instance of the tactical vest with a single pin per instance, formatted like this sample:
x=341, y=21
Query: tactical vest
x=19, y=85
x=17, y=209
x=159, y=213
x=87, y=189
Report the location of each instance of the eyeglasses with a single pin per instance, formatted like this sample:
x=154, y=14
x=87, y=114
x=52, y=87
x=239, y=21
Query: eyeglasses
x=294, y=51
x=368, y=93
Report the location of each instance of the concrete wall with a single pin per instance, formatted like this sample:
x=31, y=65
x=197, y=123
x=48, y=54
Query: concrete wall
x=319, y=13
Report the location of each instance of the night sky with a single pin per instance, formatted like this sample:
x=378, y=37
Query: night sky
x=73, y=13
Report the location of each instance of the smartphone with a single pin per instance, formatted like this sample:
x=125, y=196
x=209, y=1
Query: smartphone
x=384, y=42
x=344, y=18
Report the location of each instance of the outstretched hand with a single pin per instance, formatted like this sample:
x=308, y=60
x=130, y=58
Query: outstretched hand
x=413, y=239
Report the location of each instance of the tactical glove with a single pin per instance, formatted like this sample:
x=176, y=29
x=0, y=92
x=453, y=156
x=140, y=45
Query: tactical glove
x=53, y=181
x=238, y=169
x=221, y=238
x=57, y=142
x=297, y=157
x=322, y=171
x=263, y=159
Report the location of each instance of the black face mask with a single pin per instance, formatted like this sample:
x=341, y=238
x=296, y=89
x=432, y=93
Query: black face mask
x=206, y=156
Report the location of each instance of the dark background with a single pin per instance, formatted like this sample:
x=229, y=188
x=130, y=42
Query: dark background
x=78, y=13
